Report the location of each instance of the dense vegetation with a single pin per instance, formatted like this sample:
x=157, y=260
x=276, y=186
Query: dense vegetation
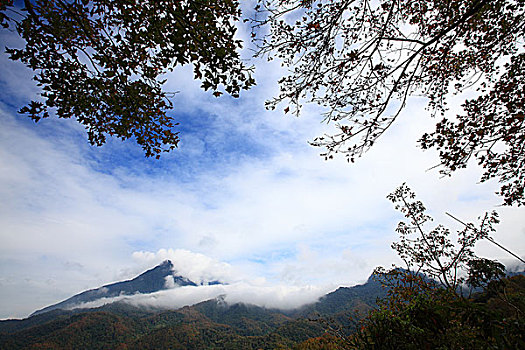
x=211, y=324
x=435, y=318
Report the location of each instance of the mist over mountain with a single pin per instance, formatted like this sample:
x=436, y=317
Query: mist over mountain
x=158, y=278
x=218, y=322
x=140, y=296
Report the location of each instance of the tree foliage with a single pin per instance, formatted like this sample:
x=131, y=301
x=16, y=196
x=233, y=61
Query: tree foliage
x=362, y=59
x=437, y=318
x=102, y=61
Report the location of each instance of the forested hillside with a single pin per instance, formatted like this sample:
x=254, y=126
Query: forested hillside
x=210, y=324
x=493, y=317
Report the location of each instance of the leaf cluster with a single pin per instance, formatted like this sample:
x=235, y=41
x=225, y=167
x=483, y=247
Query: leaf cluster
x=492, y=131
x=101, y=61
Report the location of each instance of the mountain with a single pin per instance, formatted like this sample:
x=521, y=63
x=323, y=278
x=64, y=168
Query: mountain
x=148, y=282
x=361, y=297
x=211, y=324
x=241, y=316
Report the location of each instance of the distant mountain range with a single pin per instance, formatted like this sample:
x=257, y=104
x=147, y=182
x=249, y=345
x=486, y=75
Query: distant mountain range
x=209, y=324
x=212, y=324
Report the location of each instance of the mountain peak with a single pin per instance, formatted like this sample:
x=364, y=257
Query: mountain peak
x=166, y=263
x=150, y=281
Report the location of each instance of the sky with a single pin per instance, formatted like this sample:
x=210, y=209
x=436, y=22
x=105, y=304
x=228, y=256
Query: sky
x=244, y=199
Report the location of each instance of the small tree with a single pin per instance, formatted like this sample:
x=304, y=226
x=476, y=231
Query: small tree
x=432, y=252
x=102, y=61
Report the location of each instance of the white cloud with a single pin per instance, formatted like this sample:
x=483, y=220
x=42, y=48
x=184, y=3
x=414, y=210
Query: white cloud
x=197, y=267
x=281, y=297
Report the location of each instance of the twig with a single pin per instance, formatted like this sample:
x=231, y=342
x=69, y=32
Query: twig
x=490, y=239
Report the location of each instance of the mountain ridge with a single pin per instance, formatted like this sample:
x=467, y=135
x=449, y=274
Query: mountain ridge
x=152, y=280
x=208, y=324
x=243, y=317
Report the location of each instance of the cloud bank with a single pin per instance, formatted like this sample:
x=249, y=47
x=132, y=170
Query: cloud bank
x=282, y=297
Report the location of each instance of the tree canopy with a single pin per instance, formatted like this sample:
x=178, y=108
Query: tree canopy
x=102, y=61
x=362, y=59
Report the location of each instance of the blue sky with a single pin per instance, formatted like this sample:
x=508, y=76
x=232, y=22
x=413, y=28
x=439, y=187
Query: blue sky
x=244, y=199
